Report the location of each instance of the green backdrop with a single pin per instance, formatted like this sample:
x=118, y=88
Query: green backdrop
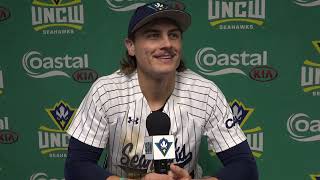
x=263, y=54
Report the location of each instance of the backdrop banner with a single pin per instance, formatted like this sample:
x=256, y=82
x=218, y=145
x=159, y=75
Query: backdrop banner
x=263, y=54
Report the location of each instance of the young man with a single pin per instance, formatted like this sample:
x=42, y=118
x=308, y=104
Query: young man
x=153, y=78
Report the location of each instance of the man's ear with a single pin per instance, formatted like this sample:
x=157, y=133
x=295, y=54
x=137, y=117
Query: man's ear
x=130, y=46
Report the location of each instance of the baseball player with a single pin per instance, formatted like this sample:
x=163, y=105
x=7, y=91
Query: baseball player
x=153, y=78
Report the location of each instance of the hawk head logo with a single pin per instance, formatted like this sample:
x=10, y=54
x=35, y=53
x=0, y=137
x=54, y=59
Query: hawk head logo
x=61, y=114
x=163, y=145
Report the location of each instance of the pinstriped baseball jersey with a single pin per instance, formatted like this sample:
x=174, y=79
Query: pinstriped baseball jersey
x=113, y=114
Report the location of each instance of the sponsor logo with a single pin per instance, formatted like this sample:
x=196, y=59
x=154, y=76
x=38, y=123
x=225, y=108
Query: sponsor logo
x=133, y=121
x=38, y=66
x=54, y=142
x=240, y=14
x=315, y=176
x=254, y=135
x=163, y=145
x=7, y=136
x=85, y=75
x=4, y=13
x=124, y=5
x=1, y=83
x=263, y=73
x=310, y=74
x=307, y=3
x=57, y=16
x=302, y=128
x=43, y=176
x=212, y=63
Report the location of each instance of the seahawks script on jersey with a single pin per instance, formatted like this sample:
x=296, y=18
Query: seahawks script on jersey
x=113, y=115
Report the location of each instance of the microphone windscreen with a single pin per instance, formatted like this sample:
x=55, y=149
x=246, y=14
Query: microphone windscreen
x=158, y=123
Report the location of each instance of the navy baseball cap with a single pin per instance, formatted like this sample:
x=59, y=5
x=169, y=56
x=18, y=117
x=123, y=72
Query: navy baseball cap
x=173, y=10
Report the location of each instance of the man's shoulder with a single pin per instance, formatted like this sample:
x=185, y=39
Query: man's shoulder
x=114, y=78
x=190, y=77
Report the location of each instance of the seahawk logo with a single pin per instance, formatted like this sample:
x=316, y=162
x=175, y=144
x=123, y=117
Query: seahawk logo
x=163, y=145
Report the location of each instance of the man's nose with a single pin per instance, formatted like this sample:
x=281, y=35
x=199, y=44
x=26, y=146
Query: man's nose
x=166, y=42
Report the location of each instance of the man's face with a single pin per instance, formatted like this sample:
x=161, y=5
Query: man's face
x=157, y=48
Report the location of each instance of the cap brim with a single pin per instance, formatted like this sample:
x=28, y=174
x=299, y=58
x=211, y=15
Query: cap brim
x=182, y=19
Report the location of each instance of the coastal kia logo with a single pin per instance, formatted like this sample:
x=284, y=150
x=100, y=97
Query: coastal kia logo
x=315, y=176
x=37, y=65
x=303, y=128
x=57, y=17
x=307, y=3
x=254, y=135
x=85, y=75
x=4, y=13
x=43, y=176
x=1, y=83
x=263, y=73
x=212, y=63
x=310, y=74
x=7, y=136
x=236, y=14
x=53, y=142
x=124, y=5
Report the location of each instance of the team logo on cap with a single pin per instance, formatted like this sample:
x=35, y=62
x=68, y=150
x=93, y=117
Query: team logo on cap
x=158, y=6
x=163, y=145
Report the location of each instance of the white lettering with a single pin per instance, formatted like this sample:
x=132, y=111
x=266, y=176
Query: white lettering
x=53, y=140
x=240, y=9
x=4, y=123
x=302, y=125
x=60, y=15
x=301, y=128
x=255, y=141
x=310, y=76
x=1, y=81
x=52, y=15
x=236, y=9
x=48, y=15
x=208, y=57
x=33, y=60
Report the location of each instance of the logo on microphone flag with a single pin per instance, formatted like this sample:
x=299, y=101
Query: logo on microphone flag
x=159, y=147
x=164, y=145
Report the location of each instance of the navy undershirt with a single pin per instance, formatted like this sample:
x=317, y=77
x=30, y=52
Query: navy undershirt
x=82, y=159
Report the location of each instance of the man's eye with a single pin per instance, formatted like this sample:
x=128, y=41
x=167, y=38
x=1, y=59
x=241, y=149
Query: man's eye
x=174, y=35
x=152, y=35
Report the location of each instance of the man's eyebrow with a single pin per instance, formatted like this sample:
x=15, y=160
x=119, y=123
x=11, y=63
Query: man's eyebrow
x=151, y=30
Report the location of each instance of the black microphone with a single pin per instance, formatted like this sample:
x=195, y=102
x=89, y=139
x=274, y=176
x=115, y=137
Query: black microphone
x=158, y=123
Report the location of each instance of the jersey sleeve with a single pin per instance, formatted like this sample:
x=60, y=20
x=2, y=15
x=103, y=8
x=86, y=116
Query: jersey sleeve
x=220, y=130
x=90, y=123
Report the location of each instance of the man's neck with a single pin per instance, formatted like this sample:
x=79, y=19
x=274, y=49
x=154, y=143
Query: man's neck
x=156, y=90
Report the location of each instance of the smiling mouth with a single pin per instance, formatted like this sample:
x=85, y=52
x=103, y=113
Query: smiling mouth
x=166, y=56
